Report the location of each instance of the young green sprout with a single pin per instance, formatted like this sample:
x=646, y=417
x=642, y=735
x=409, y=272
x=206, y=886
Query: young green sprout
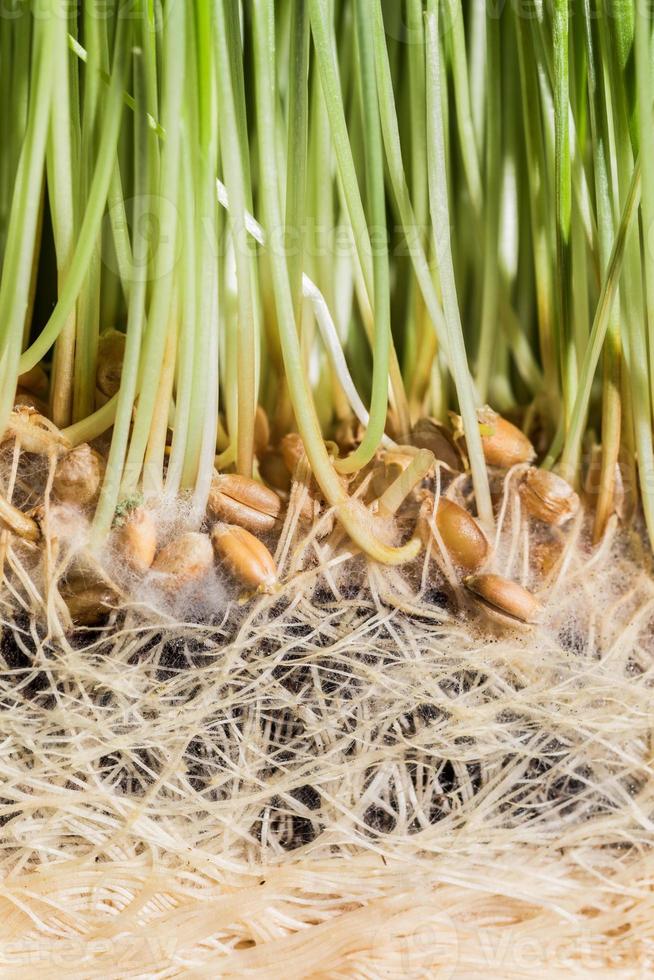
x=168, y=359
x=327, y=487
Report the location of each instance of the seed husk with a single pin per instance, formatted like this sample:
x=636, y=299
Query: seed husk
x=111, y=352
x=311, y=511
x=274, y=470
x=398, y=459
x=292, y=449
x=464, y=540
x=544, y=555
x=503, y=444
x=240, y=500
x=425, y=501
x=429, y=433
x=502, y=595
x=26, y=399
x=185, y=559
x=88, y=604
x=621, y=502
x=548, y=497
x=391, y=465
x=34, y=381
x=14, y=520
x=136, y=540
x=409, y=472
x=247, y=559
x=261, y=431
x=393, y=425
x=78, y=475
x=383, y=475
x=348, y=434
x=35, y=433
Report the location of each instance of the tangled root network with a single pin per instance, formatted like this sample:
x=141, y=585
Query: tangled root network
x=357, y=776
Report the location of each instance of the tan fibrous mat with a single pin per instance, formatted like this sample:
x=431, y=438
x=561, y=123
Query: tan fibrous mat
x=511, y=913
x=359, y=776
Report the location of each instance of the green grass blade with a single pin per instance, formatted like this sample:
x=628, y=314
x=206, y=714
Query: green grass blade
x=440, y=215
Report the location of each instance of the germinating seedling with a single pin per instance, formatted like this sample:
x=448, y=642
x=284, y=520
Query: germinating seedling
x=329, y=322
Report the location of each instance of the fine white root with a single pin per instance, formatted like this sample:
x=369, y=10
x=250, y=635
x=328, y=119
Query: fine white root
x=357, y=775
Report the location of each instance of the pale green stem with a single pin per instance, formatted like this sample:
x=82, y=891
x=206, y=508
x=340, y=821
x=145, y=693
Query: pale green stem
x=570, y=460
x=155, y=337
x=440, y=214
x=374, y=168
x=123, y=403
x=234, y=170
x=90, y=226
x=491, y=223
x=61, y=170
x=185, y=356
x=465, y=124
x=318, y=11
x=347, y=511
x=24, y=216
